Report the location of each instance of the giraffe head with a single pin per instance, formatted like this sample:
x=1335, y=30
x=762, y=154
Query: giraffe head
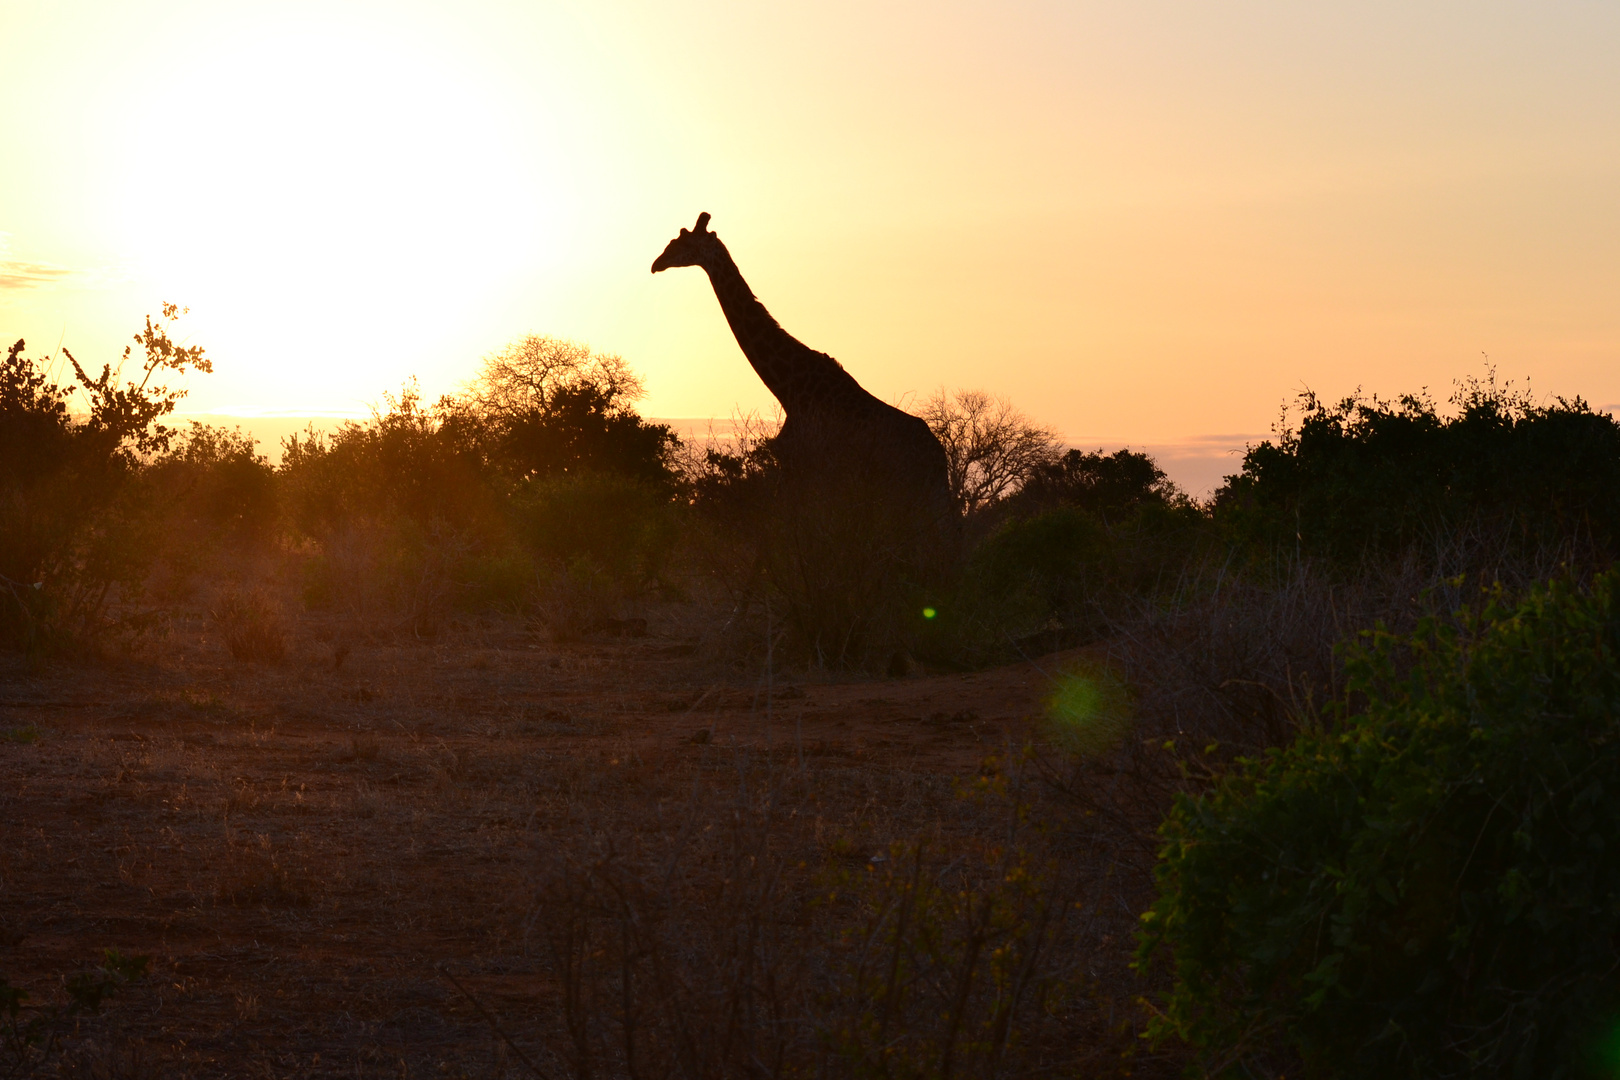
x=693, y=247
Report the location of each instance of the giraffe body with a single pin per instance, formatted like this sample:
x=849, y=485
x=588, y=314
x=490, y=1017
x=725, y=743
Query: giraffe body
x=835, y=431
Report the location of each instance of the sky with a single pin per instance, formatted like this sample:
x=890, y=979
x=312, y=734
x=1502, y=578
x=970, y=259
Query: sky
x=1148, y=222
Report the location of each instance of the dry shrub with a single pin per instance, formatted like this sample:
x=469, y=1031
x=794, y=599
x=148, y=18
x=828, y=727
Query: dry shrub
x=1224, y=668
x=947, y=969
x=47, y=1038
x=255, y=873
x=761, y=941
x=1232, y=662
x=689, y=963
x=388, y=572
x=577, y=600
x=368, y=801
x=252, y=625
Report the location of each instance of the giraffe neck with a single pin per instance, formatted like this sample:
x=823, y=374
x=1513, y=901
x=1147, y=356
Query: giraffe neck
x=799, y=377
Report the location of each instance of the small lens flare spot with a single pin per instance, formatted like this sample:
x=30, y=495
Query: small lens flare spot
x=929, y=613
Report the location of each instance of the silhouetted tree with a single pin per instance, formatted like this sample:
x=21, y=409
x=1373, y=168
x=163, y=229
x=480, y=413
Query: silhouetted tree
x=1106, y=484
x=554, y=406
x=72, y=526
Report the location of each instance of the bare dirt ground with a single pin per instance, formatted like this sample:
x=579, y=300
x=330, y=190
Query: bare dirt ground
x=332, y=860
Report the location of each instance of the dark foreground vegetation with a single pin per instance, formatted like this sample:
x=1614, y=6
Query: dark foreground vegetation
x=1316, y=779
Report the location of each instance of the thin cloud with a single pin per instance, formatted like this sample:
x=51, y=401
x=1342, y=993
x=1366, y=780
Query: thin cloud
x=26, y=275
x=16, y=274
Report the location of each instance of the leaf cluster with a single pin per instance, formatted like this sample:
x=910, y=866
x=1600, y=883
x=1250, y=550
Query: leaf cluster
x=130, y=415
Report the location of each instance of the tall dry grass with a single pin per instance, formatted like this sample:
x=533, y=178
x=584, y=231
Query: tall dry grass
x=764, y=936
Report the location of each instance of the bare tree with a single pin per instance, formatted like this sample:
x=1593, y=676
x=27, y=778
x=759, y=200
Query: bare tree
x=990, y=446
x=525, y=377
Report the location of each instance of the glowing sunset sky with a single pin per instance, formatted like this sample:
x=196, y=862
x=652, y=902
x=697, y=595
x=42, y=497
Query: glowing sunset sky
x=1150, y=220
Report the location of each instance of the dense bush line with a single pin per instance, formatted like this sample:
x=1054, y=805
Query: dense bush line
x=540, y=480
x=1368, y=478
x=539, y=488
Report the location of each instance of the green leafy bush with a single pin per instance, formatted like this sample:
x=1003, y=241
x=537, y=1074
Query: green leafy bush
x=1085, y=532
x=1057, y=560
x=1030, y=577
x=624, y=526
x=31, y=1035
x=501, y=579
x=586, y=543
x=1426, y=886
x=397, y=508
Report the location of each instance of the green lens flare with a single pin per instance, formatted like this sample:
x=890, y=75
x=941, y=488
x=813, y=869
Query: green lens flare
x=1607, y=1053
x=929, y=613
x=1076, y=701
x=1088, y=711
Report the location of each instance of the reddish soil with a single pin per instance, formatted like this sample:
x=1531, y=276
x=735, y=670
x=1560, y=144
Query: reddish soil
x=299, y=846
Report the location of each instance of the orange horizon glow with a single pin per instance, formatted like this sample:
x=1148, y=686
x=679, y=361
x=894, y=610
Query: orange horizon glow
x=1153, y=221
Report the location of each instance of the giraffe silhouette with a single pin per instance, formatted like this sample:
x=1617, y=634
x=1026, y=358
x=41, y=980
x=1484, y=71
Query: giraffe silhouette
x=861, y=529
x=834, y=431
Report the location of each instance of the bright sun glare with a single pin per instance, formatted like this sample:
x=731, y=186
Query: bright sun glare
x=328, y=171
